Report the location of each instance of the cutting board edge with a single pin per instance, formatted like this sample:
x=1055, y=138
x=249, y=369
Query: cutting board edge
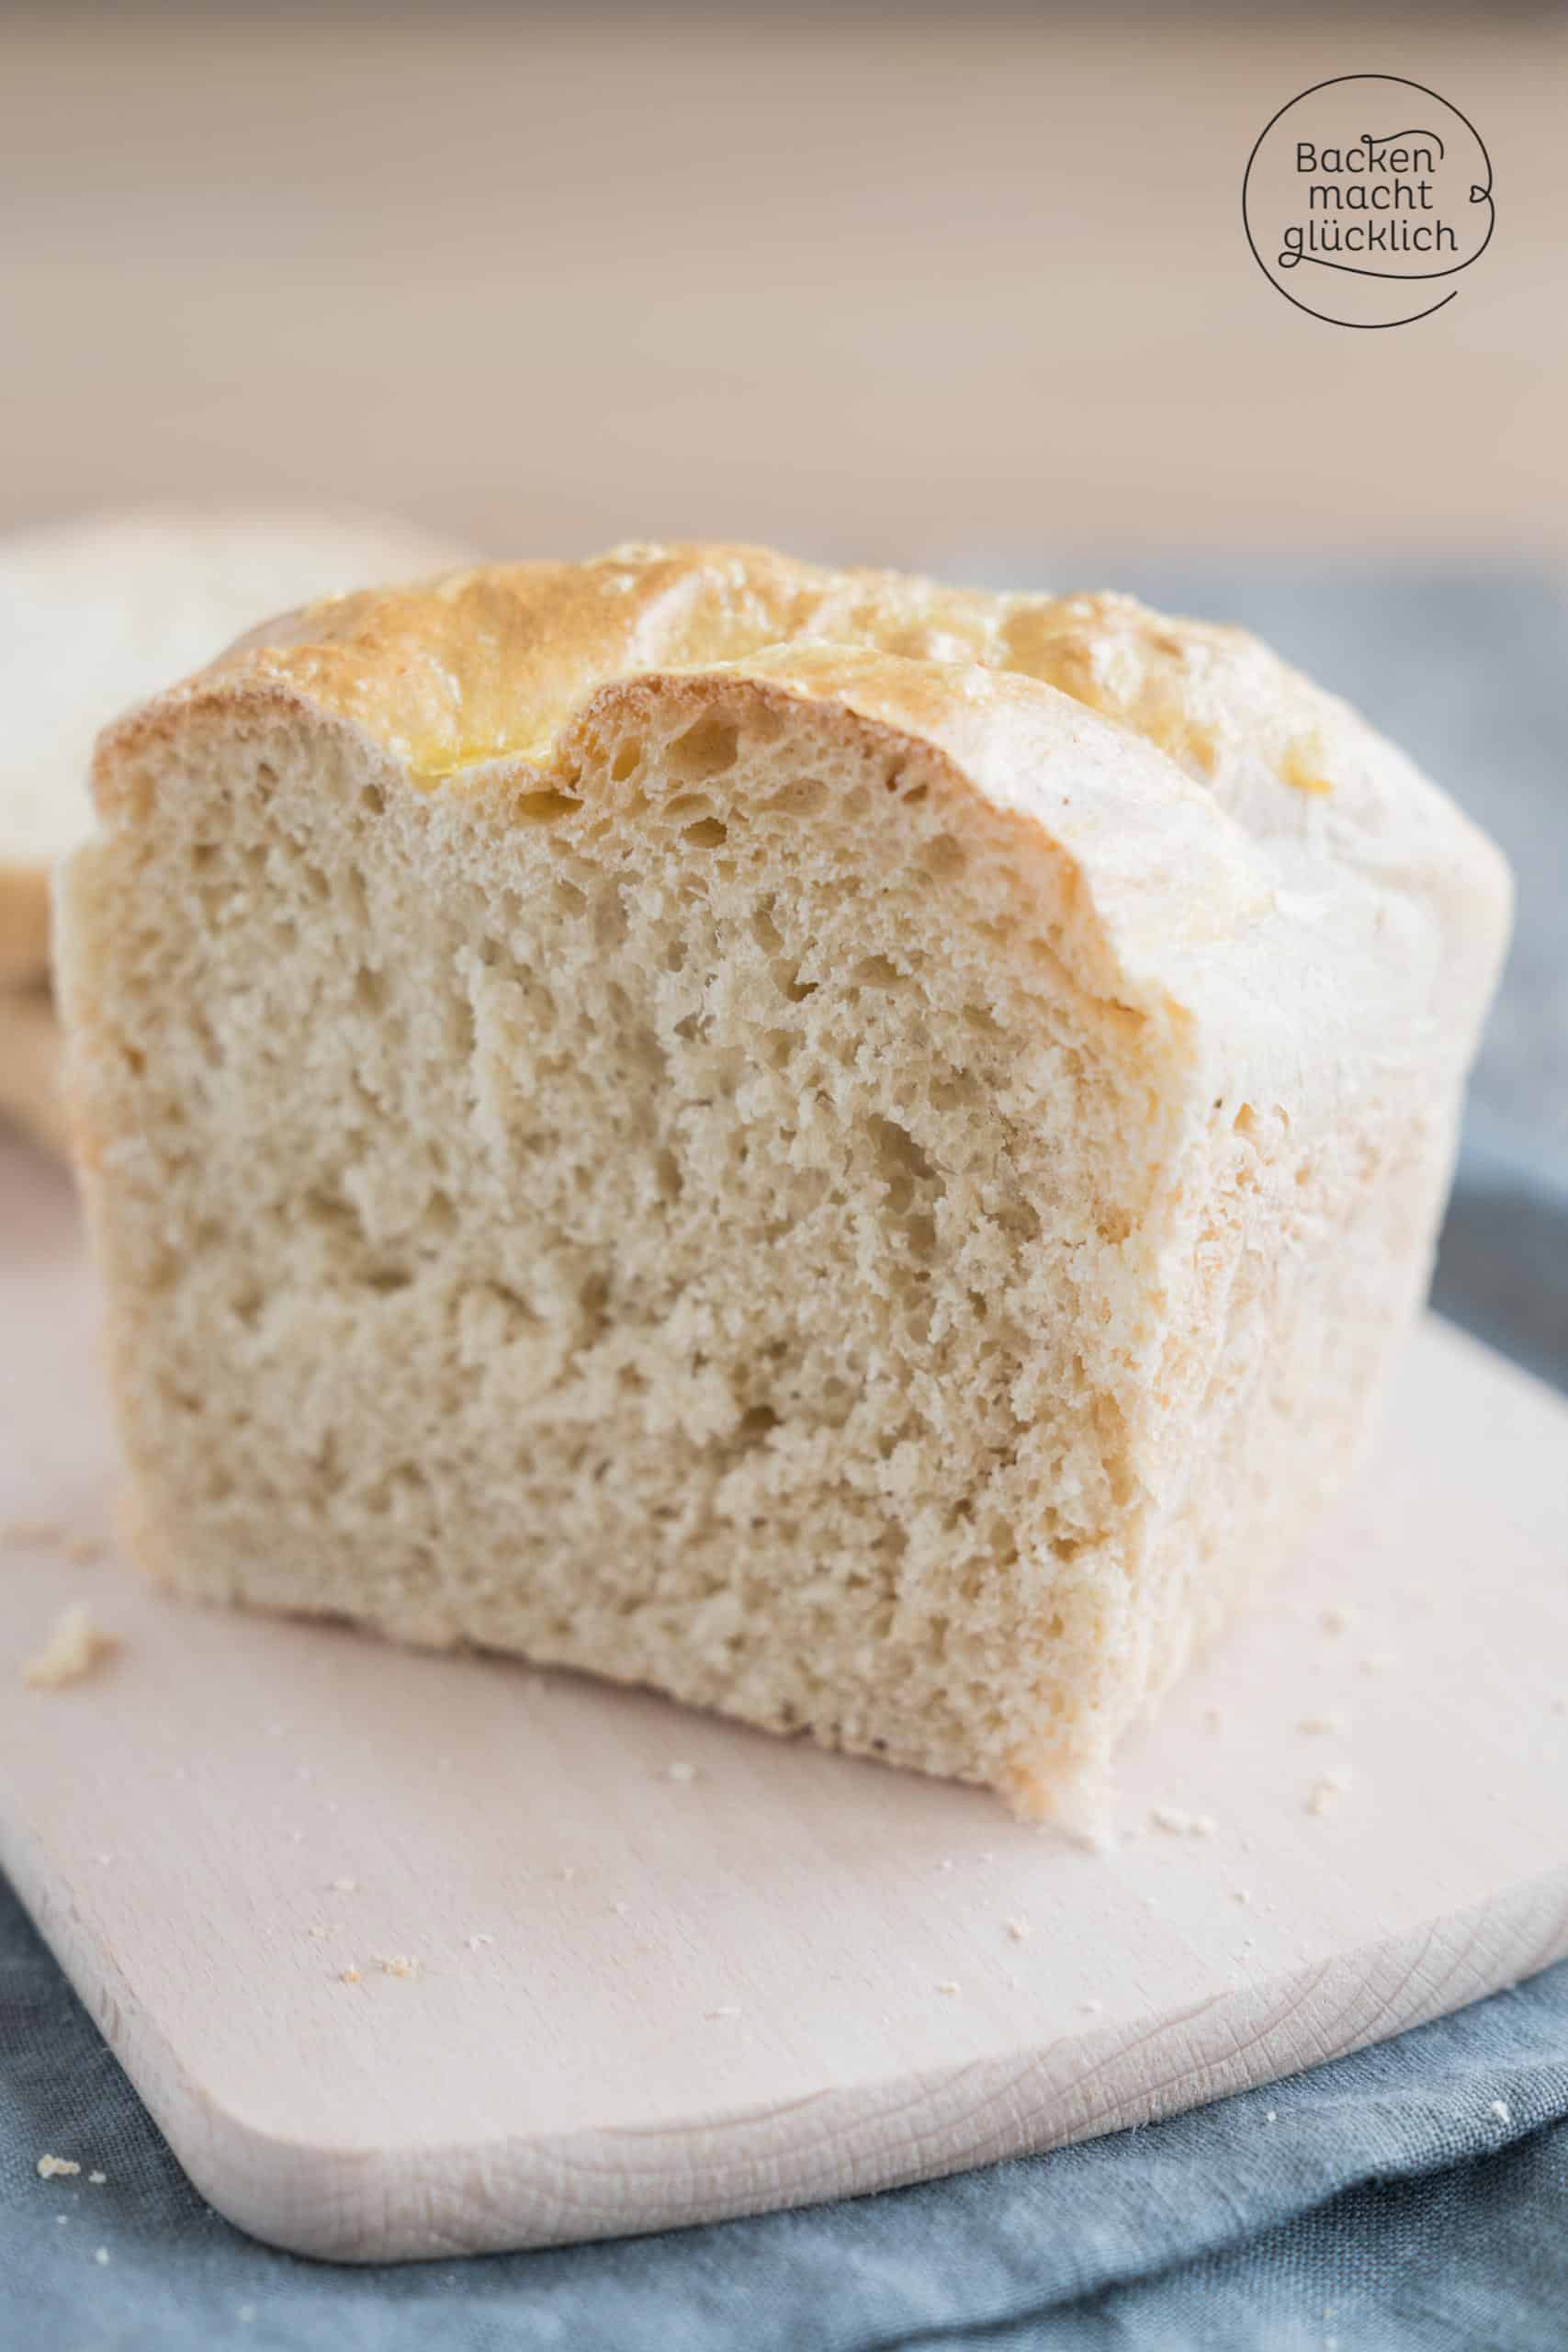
x=522, y=2192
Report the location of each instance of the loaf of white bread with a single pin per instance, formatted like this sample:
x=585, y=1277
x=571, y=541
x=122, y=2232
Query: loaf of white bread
x=851, y=1150
x=93, y=614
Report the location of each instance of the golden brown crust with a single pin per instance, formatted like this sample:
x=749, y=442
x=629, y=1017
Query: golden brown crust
x=490, y=662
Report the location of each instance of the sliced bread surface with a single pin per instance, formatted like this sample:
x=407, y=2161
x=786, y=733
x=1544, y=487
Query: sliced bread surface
x=851, y=1150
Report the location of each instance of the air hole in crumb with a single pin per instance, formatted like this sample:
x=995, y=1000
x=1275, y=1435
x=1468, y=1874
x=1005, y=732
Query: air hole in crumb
x=667, y=1176
x=943, y=856
x=369, y=989
x=1245, y=1122
x=804, y=796
x=373, y=798
x=755, y=1423
x=544, y=807
x=626, y=762
x=877, y=972
x=897, y=1153
x=609, y=920
x=765, y=930
x=706, y=749
x=707, y=833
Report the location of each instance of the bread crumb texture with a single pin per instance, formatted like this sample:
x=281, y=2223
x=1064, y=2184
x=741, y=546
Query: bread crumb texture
x=74, y=1646
x=849, y=1149
x=57, y=2168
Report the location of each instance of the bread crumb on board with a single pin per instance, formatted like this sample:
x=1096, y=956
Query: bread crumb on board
x=1333, y=1726
x=57, y=2168
x=679, y=1770
x=96, y=2180
x=1336, y=1620
x=1178, y=1822
x=100, y=2254
x=350, y=1976
x=398, y=1963
x=1018, y=1929
x=1502, y=2110
x=76, y=1642
x=1327, y=1792
x=950, y=1985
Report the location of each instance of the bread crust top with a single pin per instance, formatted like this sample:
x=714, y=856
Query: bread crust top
x=1200, y=784
x=490, y=662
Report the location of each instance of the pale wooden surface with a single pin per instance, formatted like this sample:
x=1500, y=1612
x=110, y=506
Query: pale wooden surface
x=176, y=1823
x=919, y=285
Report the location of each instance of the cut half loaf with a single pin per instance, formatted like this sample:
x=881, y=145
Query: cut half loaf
x=851, y=1150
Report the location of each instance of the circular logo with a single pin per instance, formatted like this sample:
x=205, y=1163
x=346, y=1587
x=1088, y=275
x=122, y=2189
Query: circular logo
x=1365, y=197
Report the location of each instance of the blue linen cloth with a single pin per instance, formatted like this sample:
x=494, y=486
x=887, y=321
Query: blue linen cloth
x=1411, y=2198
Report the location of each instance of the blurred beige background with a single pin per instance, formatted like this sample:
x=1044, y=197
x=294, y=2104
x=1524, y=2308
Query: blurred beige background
x=871, y=284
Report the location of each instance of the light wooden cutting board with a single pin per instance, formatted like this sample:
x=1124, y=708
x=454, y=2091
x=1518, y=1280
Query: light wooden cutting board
x=663, y=1969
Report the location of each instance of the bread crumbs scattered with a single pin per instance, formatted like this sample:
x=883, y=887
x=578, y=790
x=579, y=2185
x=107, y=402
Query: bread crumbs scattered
x=42, y=1531
x=1176, y=1823
x=56, y=2167
x=1502, y=2110
x=399, y=1964
x=1241, y=1895
x=1271, y=2115
x=1094, y=2007
x=567, y=1870
x=62, y=2219
x=1324, y=1726
x=1336, y=1621
x=681, y=1770
x=350, y=1976
x=96, y=2180
x=73, y=1647
x=1018, y=1929
x=100, y=2254
x=345, y=1885
x=245, y=2314
x=949, y=1985
x=1327, y=1792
